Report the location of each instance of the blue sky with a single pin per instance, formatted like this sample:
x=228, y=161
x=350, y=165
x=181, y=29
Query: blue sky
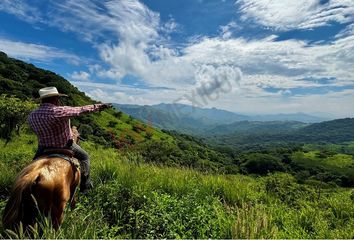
x=246, y=56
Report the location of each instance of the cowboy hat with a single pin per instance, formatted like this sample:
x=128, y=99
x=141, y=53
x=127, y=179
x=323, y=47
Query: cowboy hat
x=50, y=92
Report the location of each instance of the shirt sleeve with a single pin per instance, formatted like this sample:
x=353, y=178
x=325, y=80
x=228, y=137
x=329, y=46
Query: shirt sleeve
x=66, y=111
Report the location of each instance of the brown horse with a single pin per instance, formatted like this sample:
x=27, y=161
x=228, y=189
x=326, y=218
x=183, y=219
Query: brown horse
x=45, y=186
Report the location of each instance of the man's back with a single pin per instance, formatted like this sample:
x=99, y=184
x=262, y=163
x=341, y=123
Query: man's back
x=51, y=123
x=52, y=129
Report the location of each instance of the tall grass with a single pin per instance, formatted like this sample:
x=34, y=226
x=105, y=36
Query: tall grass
x=132, y=199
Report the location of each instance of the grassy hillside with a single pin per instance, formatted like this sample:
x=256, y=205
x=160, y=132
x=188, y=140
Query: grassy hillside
x=110, y=128
x=137, y=200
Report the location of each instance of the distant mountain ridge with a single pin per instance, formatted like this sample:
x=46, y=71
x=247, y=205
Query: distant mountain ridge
x=257, y=127
x=189, y=119
x=300, y=117
x=334, y=131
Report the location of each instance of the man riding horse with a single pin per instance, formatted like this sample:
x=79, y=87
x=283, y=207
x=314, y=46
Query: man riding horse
x=51, y=123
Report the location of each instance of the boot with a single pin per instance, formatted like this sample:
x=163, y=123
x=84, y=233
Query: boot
x=85, y=184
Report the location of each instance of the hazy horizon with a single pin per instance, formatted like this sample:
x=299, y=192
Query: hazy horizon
x=319, y=115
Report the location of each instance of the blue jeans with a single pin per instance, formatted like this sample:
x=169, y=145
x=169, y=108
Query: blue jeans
x=79, y=153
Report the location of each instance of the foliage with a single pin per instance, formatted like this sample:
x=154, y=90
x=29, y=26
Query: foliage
x=13, y=113
x=259, y=163
x=186, y=151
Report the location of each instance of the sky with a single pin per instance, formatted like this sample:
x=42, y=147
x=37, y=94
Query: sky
x=245, y=56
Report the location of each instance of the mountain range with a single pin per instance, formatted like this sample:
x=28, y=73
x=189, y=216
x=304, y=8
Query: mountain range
x=195, y=120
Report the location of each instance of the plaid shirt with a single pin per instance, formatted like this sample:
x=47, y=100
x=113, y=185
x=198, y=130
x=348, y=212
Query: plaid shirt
x=51, y=123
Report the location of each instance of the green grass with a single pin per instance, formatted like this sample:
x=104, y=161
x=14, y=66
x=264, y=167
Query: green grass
x=337, y=165
x=340, y=160
x=337, y=160
x=125, y=125
x=133, y=199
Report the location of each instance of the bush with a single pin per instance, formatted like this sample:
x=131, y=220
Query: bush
x=118, y=114
x=284, y=187
x=13, y=113
x=149, y=135
x=112, y=124
x=262, y=163
x=85, y=130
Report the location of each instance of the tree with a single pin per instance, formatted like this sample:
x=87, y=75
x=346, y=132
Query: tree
x=262, y=163
x=13, y=114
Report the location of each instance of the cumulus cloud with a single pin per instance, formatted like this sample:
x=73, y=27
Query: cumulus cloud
x=300, y=14
x=289, y=59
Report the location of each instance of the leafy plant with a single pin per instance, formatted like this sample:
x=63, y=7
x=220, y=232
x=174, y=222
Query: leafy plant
x=13, y=113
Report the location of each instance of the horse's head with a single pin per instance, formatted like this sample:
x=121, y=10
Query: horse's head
x=76, y=134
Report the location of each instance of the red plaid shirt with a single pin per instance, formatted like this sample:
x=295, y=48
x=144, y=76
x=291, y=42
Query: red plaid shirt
x=51, y=123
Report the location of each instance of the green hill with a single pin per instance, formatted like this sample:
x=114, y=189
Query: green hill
x=110, y=128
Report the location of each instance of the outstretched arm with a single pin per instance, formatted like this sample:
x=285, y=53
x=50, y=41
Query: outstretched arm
x=66, y=111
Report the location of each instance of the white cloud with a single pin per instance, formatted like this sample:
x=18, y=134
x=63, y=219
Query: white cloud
x=299, y=14
x=226, y=31
x=290, y=59
x=118, y=93
x=129, y=20
x=80, y=76
x=22, y=10
x=37, y=52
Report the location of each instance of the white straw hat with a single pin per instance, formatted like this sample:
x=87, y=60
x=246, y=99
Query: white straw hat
x=50, y=92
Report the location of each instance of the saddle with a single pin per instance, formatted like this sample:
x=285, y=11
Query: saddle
x=63, y=153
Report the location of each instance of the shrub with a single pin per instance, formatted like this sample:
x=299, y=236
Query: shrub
x=85, y=130
x=118, y=114
x=112, y=124
x=262, y=163
x=284, y=187
x=149, y=135
x=13, y=113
